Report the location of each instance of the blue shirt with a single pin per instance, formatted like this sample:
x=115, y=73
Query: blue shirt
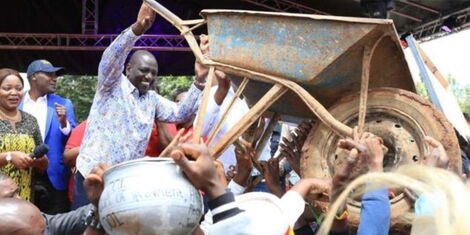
x=375, y=213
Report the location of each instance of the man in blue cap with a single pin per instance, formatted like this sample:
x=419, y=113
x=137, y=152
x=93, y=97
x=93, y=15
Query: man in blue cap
x=56, y=120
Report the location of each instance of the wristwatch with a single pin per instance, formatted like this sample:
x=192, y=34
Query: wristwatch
x=8, y=157
x=92, y=221
x=199, y=84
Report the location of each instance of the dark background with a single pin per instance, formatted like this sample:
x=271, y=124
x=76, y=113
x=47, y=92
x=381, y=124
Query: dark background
x=64, y=16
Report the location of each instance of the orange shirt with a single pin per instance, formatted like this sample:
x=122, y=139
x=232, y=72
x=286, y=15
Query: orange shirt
x=154, y=141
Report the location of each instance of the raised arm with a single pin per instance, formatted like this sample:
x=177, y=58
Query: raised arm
x=168, y=111
x=211, y=115
x=112, y=62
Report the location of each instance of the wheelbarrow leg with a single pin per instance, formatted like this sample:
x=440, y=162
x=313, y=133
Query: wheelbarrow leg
x=255, y=112
x=202, y=109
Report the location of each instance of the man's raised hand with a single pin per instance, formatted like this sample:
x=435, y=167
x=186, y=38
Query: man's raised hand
x=144, y=21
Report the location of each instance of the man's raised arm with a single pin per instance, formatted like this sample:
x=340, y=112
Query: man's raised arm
x=112, y=63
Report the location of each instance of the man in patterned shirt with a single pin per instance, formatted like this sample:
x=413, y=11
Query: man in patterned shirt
x=124, y=109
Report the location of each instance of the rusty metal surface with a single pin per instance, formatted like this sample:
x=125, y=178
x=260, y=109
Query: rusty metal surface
x=323, y=54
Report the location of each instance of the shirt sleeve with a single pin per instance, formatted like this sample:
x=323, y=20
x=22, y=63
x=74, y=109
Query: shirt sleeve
x=70, y=114
x=375, y=213
x=72, y=222
x=112, y=62
x=235, y=188
x=75, y=139
x=169, y=111
x=211, y=114
x=223, y=207
x=66, y=129
x=293, y=206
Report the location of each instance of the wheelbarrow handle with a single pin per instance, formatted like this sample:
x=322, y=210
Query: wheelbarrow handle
x=181, y=25
x=165, y=13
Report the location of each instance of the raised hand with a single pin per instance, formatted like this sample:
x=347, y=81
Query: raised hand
x=204, y=44
x=373, y=152
x=437, y=156
x=302, y=131
x=369, y=147
x=93, y=183
x=244, y=154
x=312, y=188
x=200, y=70
x=344, y=175
x=290, y=149
x=271, y=175
x=219, y=166
x=145, y=19
x=223, y=87
x=62, y=114
x=202, y=173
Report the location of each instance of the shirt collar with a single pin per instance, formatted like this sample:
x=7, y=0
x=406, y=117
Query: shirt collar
x=27, y=98
x=129, y=88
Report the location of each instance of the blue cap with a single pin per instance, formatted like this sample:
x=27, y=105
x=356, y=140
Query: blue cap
x=41, y=66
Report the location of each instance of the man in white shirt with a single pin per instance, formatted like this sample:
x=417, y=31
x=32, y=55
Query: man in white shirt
x=220, y=97
x=56, y=120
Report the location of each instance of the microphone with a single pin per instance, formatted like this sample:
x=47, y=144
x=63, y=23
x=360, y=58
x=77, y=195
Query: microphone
x=39, y=151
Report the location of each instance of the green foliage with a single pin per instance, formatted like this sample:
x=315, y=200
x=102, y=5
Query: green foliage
x=81, y=90
x=169, y=86
x=461, y=92
x=421, y=90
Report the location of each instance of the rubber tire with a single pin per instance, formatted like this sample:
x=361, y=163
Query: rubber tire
x=321, y=140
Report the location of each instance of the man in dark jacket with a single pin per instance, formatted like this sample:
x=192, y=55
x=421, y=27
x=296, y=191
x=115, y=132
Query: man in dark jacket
x=20, y=215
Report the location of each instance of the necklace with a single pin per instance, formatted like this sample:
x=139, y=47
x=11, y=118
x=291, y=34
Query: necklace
x=13, y=118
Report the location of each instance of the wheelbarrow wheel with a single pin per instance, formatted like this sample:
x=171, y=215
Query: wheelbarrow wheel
x=402, y=119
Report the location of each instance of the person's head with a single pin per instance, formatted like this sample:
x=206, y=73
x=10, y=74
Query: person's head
x=180, y=95
x=20, y=217
x=42, y=76
x=142, y=70
x=11, y=89
x=8, y=187
x=189, y=123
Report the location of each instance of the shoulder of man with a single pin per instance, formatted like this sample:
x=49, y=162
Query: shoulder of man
x=59, y=99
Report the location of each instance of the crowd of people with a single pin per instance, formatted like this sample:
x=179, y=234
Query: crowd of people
x=58, y=192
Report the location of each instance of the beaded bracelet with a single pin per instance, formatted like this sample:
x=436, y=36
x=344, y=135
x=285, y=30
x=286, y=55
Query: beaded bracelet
x=343, y=216
x=199, y=84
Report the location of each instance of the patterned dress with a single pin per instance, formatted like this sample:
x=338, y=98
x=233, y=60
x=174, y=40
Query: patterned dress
x=25, y=138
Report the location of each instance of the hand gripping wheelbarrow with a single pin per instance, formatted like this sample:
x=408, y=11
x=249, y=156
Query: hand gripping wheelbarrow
x=345, y=71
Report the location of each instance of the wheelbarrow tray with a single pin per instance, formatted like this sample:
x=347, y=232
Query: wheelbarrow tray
x=321, y=53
